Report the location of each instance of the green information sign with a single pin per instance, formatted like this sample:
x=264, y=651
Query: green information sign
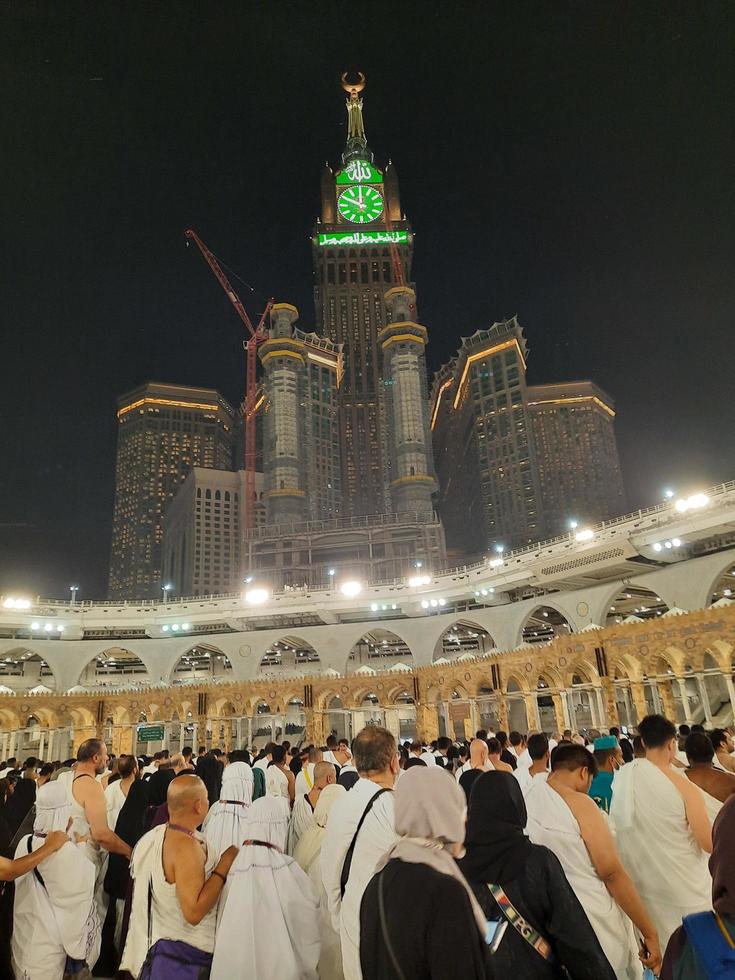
x=364, y=238
x=150, y=733
x=359, y=172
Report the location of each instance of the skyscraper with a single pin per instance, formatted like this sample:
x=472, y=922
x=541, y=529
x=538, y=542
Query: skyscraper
x=354, y=266
x=579, y=469
x=516, y=463
x=163, y=432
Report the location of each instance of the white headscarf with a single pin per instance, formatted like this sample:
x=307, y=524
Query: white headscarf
x=309, y=847
x=52, y=808
x=267, y=895
x=237, y=783
x=430, y=812
x=227, y=821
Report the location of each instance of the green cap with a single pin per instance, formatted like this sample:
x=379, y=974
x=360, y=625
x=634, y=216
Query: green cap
x=605, y=742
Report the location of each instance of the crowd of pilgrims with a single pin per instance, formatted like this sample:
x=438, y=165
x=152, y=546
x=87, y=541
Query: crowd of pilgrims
x=586, y=857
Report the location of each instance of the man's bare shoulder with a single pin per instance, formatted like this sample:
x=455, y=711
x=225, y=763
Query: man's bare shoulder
x=85, y=787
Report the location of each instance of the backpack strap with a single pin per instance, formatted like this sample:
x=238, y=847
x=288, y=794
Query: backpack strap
x=713, y=944
x=532, y=936
x=347, y=864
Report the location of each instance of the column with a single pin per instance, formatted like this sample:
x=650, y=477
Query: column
x=666, y=697
x=609, y=701
x=392, y=722
x=427, y=722
x=502, y=712
x=681, y=681
x=41, y=741
x=11, y=745
x=601, y=713
x=250, y=732
x=730, y=690
x=639, y=700
x=705, y=699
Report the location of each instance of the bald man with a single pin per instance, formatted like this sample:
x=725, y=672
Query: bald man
x=479, y=763
x=302, y=815
x=182, y=918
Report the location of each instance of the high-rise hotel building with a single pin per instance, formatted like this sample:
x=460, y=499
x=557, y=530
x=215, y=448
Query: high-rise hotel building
x=164, y=431
x=354, y=267
x=516, y=462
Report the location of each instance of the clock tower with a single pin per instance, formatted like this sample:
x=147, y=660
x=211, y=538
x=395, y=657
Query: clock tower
x=359, y=237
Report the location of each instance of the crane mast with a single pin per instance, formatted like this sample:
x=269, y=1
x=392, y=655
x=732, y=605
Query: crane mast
x=255, y=337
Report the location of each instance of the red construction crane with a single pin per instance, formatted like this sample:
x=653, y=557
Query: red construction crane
x=256, y=336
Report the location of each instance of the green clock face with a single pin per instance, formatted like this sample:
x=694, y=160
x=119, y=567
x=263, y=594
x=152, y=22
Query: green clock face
x=360, y=204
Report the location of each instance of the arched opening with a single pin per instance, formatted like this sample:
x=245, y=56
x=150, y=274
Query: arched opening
x=338, y=719
x=265, y=725
x=463, y=638
x=545, y=702
x=115, y=667
x=544, y=624
x=23, y=670
x=723, y=590
x=295, y=721
x=486, y=704
x=581, y=698
x=634, y=603
x=718, y=695
x=202, y=663
x=379, y=649
x=516, y=703
x=370, y=712
x=288, y=656
x=30, y=737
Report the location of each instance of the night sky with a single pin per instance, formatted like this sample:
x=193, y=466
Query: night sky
x=569, y=162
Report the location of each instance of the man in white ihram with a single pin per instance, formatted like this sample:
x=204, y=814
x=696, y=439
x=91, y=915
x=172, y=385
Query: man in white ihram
x=376, y=759
x=663, y=832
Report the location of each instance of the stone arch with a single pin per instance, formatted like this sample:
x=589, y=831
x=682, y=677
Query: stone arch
x=516, y=683
x=461, y=637
x=114, y=667
x=379, y=649
x=633, y=600
x=289, y=655
x=201, y=662
x=9, y=718
x=543, y=623
x=82, y=717
x=22, y=669
x=722, y=584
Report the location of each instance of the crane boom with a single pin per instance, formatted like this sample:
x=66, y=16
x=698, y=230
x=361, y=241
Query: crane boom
x=256, y=337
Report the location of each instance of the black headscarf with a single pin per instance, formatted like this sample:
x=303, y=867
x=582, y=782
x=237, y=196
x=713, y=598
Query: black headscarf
x=158, y=786
x=209, y=771
x=129, y=827
x=722, y=861
x=19, y=804
x=497, y=849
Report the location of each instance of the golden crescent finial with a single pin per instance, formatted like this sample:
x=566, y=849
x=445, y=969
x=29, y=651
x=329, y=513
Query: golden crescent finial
x=353, y=88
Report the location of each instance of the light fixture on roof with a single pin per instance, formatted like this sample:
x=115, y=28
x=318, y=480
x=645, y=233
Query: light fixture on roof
x=499, y=548
x=669, y=494
x=573, y=525
x=12, y=603
x=676, y=542
x=165, y=628
x=415, y=581
x=350, y=589
x=35, y=626
x=257, y=596
x=424, y=603
x=695, y=502
x=496, y=563
x=657, y=546
x=586, y=534
x=48, y=627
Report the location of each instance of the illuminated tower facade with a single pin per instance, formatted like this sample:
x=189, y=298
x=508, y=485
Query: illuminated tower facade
x=407, y=418
x=359, y=238
x=164, y=431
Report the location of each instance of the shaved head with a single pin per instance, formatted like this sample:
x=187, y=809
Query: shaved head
x=322, y=773
x=478, y=752
x=184, y=793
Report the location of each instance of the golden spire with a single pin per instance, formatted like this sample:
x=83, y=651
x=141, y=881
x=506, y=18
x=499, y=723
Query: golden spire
x=356, y=139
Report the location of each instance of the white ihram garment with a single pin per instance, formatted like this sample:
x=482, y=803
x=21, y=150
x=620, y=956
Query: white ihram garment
x=276, y=782
x=305, y=779
x=114, y=799
x=552, y=823
x=308, y=855
x=657, y=846
x=58, y=918
x=377, y=835
x=302, y=818
x=226, y=823
x=268, y=924
x=167, y=919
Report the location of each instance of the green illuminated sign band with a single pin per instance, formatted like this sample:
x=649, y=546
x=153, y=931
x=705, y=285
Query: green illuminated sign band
x=365, y=238
x=359, y=172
